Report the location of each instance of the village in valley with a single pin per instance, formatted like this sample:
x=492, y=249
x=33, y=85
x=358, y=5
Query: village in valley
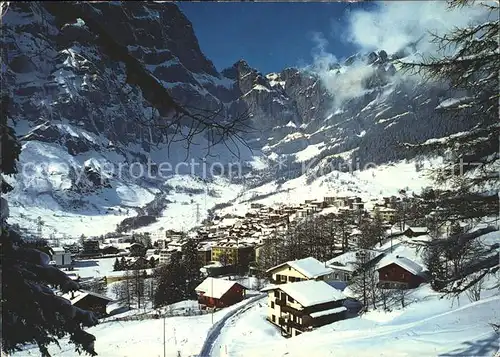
x=253, y=256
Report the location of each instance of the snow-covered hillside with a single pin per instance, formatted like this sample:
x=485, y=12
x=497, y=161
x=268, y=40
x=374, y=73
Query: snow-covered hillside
x=373, y=183
x=80, y=117
x=429, y=327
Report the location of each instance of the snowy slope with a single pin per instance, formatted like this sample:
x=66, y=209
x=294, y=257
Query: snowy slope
x=430, y=327
x=385, y=180
x=145, y=338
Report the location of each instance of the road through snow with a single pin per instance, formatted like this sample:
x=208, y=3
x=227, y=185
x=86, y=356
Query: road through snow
x=214, y=332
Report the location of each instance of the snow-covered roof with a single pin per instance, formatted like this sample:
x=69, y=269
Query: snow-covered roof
x=216, y=288
x=269, y=287
x=347, y=260
x=213, y=264
x=76, y=296
x=355, y=232
x=58, y=250
x=418, y=229
x=328, y=312
x=312, y=292
x=403, y=262
x=310, y=267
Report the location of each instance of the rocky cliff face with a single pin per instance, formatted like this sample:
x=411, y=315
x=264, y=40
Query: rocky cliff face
x=84, y=80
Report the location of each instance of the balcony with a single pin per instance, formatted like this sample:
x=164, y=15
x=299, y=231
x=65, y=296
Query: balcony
x=295, y=325
x=280, y=302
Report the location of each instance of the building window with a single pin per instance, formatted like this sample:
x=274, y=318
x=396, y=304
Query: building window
x=276, y=294
x=273, y=318
x=290, y=299
x=272, y=305
x=278, y=277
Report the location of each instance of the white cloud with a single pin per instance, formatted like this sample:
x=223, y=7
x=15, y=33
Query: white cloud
x=390, y=26
x=393, y=25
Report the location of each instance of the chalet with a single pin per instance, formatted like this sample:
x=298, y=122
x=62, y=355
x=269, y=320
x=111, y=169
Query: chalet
x=90, y=247
x=72, y=248
x=138, y=263
x=61, y=257
x=204, y=255
x=318, y=204
x=219, y=293
x=345, y=265
x=162, y=243
x=387, y=214
x=298, y=307
x=355, y=236
x=302, y=213
x=167, y=254
x=216, y=269
x=177, y=244
x=137, y=250
x=88, y=300
x=329, y=200
x=256, y=205
x=415, y=231
x=299, y=270
x=399, y=272
x=358, y=206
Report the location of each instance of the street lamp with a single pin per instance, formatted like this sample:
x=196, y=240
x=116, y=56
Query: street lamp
x=212, y=293
x=164, y=344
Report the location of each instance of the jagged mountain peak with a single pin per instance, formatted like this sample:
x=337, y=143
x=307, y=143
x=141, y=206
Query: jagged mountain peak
x=72, y=96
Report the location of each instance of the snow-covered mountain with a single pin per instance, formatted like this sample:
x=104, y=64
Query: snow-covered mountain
x=80, y=78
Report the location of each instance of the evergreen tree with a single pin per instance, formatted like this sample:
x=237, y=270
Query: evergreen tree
x=170, y=282
x=471, y=170
x=117, y=265
x=192, y=266
x=31, y=312
x=152, y=262
x=123, y=264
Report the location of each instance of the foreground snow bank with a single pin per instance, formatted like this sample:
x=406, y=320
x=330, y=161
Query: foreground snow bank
x=145, y=338
x=429, y=327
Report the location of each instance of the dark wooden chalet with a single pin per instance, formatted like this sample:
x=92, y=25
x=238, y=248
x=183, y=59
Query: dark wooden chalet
x=90, y=301
x=219, y=293
x=400, y=272
x=298, y=307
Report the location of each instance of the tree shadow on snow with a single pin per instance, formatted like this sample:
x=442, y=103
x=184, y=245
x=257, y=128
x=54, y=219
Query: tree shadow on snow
x=484, y=347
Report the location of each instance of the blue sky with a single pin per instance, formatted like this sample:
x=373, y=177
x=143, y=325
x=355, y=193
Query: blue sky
x=270, y=36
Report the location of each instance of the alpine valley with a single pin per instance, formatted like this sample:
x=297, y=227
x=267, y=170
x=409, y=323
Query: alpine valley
x=309, y=131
